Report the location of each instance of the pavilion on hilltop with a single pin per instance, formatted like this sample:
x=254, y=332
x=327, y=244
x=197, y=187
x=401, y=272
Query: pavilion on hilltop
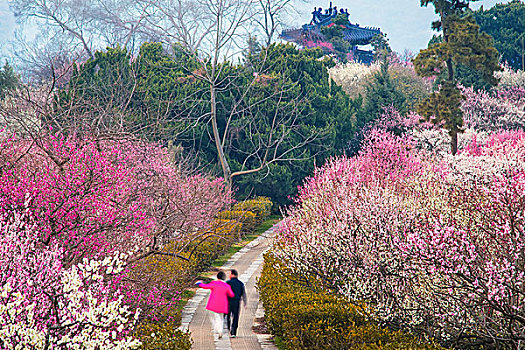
x=332, y=30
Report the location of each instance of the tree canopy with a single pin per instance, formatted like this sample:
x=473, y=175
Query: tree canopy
x=278, y=114
x=9, y=80
x=506, y=24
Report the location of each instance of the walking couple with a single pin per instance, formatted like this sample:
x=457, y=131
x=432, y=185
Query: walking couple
x=225, y=302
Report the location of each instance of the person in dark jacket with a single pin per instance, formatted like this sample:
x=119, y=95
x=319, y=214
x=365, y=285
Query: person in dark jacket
x=239, y=292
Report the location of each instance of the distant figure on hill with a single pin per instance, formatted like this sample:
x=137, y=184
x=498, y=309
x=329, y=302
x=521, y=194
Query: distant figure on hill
x=235, y=302
x=218, y=301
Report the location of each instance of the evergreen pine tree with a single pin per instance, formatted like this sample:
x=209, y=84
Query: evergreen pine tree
x=9, y=80
x=381, y=93
x=462, y=44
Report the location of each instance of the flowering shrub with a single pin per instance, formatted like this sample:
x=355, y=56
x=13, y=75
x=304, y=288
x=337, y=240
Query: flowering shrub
x=45, y=305
x=260, y=206
x=491, y=111
x=352, y=76
x=245, y=217
x=508, y=78
x=164, y=336
x=431, y=244
x=77, y=193
x=92, y=199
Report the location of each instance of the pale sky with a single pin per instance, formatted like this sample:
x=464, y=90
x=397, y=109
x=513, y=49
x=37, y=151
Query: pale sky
x=7, y=25
x=406, y=24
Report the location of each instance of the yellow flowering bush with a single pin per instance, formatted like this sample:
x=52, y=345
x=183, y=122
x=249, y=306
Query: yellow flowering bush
x=163, y=336
x=247, y=218
x=260, y=206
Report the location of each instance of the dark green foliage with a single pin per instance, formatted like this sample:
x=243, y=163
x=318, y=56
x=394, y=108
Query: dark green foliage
x=506, y=24
x=381, y=46
x=443, y=108
x=101, y=91
x=381, y=92
x=320, y=108
x=471, y=48
x=465, y=75
x=280, y=96
x=253, y=49
x=169, y=92
x=9, y=80
x=465, y=45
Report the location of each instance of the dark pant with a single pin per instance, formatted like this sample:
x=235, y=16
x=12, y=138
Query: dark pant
x=233, y=316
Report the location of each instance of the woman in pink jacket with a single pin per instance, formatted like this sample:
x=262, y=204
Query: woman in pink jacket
x=218, y=301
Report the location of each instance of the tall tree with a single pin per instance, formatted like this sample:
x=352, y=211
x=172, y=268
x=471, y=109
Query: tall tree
x=74, y=30
x=381, y=92
x=87, y=25
x=462, y=44
x=270, y=18
x=275, y=113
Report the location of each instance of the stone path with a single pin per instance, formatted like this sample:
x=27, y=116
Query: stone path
x=248, y=262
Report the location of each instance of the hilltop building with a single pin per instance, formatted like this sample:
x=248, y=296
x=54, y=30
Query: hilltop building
x=332, y=31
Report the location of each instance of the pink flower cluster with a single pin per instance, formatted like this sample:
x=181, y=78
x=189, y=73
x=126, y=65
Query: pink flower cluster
x=435, y=245
x=491, y=111
x=45, y=305
x=322, y=44
x=85, y=199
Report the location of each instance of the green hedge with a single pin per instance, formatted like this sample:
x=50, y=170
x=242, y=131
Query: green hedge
x=306, y=320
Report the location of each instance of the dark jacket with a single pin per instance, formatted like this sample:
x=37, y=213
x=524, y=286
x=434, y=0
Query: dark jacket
x=238, y=290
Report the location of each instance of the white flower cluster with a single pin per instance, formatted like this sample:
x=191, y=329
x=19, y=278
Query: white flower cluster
x=492, y=111
x=88, y=315
x=509, y=78
x=351, y=76
x=14, y=334
x=479, y=168
x=438, y=140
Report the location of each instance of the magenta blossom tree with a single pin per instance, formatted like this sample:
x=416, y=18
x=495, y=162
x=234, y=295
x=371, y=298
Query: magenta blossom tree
x=46, y=305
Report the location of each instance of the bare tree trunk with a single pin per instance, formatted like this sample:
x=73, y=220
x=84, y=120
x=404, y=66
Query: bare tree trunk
x=220, y=150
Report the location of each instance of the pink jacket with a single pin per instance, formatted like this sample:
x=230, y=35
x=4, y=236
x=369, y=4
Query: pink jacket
x=220, y=292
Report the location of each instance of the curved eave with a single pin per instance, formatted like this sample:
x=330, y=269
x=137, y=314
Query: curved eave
x=360, y=36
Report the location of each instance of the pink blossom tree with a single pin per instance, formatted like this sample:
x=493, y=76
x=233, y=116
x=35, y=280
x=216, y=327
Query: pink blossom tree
x=430, y=244
x=94, y=198
x=491, y=111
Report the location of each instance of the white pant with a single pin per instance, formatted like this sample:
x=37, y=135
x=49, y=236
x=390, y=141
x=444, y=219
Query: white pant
x=218, y=322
